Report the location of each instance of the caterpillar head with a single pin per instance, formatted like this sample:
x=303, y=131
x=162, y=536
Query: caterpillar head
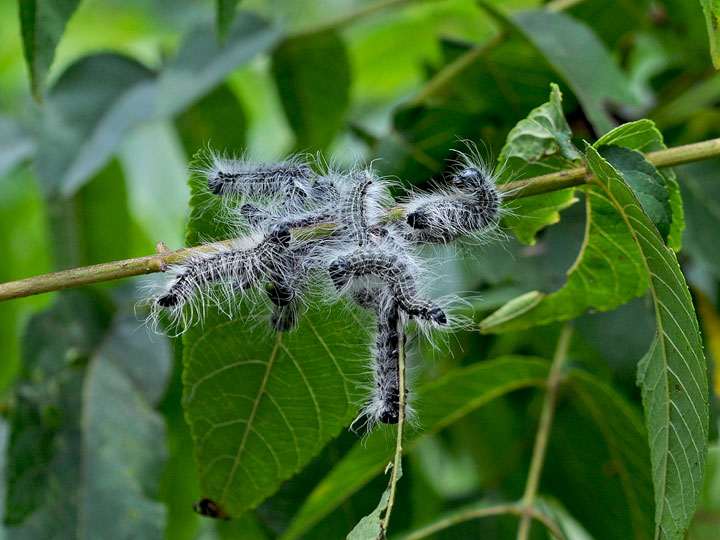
x=469, y=178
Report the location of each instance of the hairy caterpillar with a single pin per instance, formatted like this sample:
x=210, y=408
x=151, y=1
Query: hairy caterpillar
x=391, y=270
x=385, y=401
x=471, y=205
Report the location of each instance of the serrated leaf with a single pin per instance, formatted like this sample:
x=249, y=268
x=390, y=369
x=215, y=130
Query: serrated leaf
x=672, y=374
x=439, y=404
x=87, y=448
x=608, y=270
x=224, y=16
x=260, y=404
x=312, y=75
x=539, y=144
x=42, y=24
x=578, y=56
x=711, y=10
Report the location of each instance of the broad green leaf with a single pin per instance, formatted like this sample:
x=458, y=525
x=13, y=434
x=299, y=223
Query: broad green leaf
x=80, y=135
x=612, y=20
x=201, y=63
x=711, y=10
x=704, y=526
x=16, y=145
x=622, y=429
x=42, y=23
x=672, y=374
x=371, y=527
x=539, y=144
x=312, y=75
x=260, y=404
x=224, y=16
x=578, y=56
x=608, y=270
x=439, y=404
x=87, y=448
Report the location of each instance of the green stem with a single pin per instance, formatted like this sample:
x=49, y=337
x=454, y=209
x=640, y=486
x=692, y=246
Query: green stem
x=397, y=463
x=87, y=275
x=543, y=433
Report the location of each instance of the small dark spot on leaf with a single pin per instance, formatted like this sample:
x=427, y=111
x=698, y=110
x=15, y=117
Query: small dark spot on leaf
x=210, y=508
x=677, y=388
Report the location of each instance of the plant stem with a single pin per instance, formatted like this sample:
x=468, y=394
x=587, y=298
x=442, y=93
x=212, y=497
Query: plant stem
x=98, y=273
x=467, y=515
x=397, y=463
x=543, y=433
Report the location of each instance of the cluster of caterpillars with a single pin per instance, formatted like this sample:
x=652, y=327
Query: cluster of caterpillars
x=366, y=256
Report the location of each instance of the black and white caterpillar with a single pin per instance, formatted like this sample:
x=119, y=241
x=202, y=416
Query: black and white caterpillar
x=358, y=253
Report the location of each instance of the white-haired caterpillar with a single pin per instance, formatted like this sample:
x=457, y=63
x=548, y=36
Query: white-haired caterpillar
x=227, y=177
x=384, y=405
x=471, y=205
x=256, y=216
x=285, y=318
x=241, y=267
x=392, y=271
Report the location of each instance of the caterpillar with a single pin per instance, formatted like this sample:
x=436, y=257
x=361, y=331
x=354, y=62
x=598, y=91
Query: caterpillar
x=471, y=205
x=384, y=404
x=285, y=318
x=256, y=216
x=392, y=271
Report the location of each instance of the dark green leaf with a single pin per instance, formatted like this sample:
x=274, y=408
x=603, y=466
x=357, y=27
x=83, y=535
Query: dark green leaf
x=578, y=56
x=86, y=448
x=312, y=74
x=539, y=144
x=672, y=374
x=43, y=23
x=439, y=404
x=711, y=10
x=224, y=15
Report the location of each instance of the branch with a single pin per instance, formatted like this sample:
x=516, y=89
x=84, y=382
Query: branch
x=543, y=433
x=87, y=275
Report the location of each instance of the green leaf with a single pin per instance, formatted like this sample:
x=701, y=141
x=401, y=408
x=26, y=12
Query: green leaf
x=625, y=437
x=704, y=526
x=711, y=10
x=224, y=16
x=539, y=144
x=87, y=448
x=439, y=404
x=80, y=135
x=43, y=23
x=578, y=56
x=16, y=145
x=371, y=527
x=701, y=195
x=261, y=404
x=563, y=520
x=312, y=75
x=672, y=374
x=608, y=270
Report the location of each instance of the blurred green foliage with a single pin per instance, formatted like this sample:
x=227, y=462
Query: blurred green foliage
x=94, y=148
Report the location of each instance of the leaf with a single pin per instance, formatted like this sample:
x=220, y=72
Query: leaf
x=440, y=403
x=43, y=23
x=539, y=144
x=704, y=526
x=578, y=56
x=563, y=520
x=701, y=196
x=87, y=448
x=260, y=404
x=711, y=10
x=224, y=15
x=201, y=63
x=371, y=527
x=672, y=374
x=625, y=438
x=80, y=135
x=15, y=145
x=608, y=271
x=312, y=75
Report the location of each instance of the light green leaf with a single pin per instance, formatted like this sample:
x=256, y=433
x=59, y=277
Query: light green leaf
x=224, y=16
x=439, y=404
x=578, y=56
x=539, y=144
x=87, y=448
x=260, y=404
x=371, y=527
x=312, y=75
x=43, y=23
x=672, y=374
x=711, y=10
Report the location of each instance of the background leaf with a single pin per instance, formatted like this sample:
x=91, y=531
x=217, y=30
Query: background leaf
x=312, y=74
x=711, y=10
x=224, y=15
x=43, y=24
